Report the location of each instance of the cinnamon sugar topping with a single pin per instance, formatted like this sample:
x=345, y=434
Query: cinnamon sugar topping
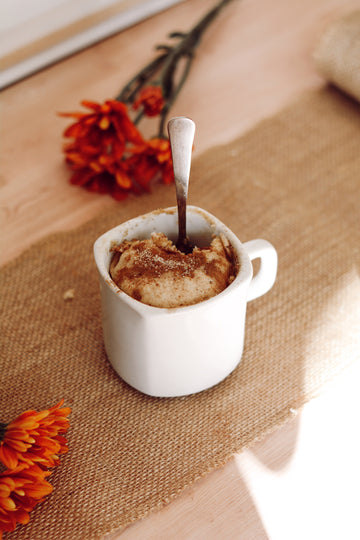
x=154, y=272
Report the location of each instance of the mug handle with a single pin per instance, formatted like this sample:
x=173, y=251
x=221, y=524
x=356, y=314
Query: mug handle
x=265, y=278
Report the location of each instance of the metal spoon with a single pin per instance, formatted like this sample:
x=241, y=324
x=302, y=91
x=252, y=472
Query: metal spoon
x=181, y=134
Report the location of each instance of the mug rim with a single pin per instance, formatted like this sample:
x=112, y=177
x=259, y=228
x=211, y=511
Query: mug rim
x=100, y=250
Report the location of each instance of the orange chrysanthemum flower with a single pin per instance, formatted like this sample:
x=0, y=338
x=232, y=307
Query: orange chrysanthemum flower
x=151, y=98
x=151, y=159
x=20, y=490
x=101, y=141
x=35, y=437
x=110, y=117
x=108, y=154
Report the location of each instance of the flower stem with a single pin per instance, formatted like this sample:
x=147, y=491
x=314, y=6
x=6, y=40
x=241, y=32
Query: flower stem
x=199, y=28
x=167, y=64
x=185, y=48
x=128, y=93
x=173, y=97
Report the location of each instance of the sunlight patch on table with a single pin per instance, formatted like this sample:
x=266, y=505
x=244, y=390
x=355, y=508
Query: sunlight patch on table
x=314, y=494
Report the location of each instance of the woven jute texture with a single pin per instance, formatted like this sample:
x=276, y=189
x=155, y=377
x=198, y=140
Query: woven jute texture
x=337, y=54
x=293, y=180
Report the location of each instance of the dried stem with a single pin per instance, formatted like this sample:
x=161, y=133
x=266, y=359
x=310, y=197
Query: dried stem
x=162, y=70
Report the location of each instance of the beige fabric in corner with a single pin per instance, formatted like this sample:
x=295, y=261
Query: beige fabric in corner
x=293, y=180
x=337, y=55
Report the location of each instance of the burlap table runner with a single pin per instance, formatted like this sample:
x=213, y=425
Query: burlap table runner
x=293, y=180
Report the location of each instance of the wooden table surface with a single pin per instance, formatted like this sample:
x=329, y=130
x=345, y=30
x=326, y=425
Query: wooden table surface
x=298, y=482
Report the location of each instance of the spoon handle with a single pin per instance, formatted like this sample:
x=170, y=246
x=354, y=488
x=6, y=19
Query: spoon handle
x=181, y=134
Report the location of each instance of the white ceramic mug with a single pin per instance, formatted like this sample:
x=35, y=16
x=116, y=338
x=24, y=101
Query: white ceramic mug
x=174, y=352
